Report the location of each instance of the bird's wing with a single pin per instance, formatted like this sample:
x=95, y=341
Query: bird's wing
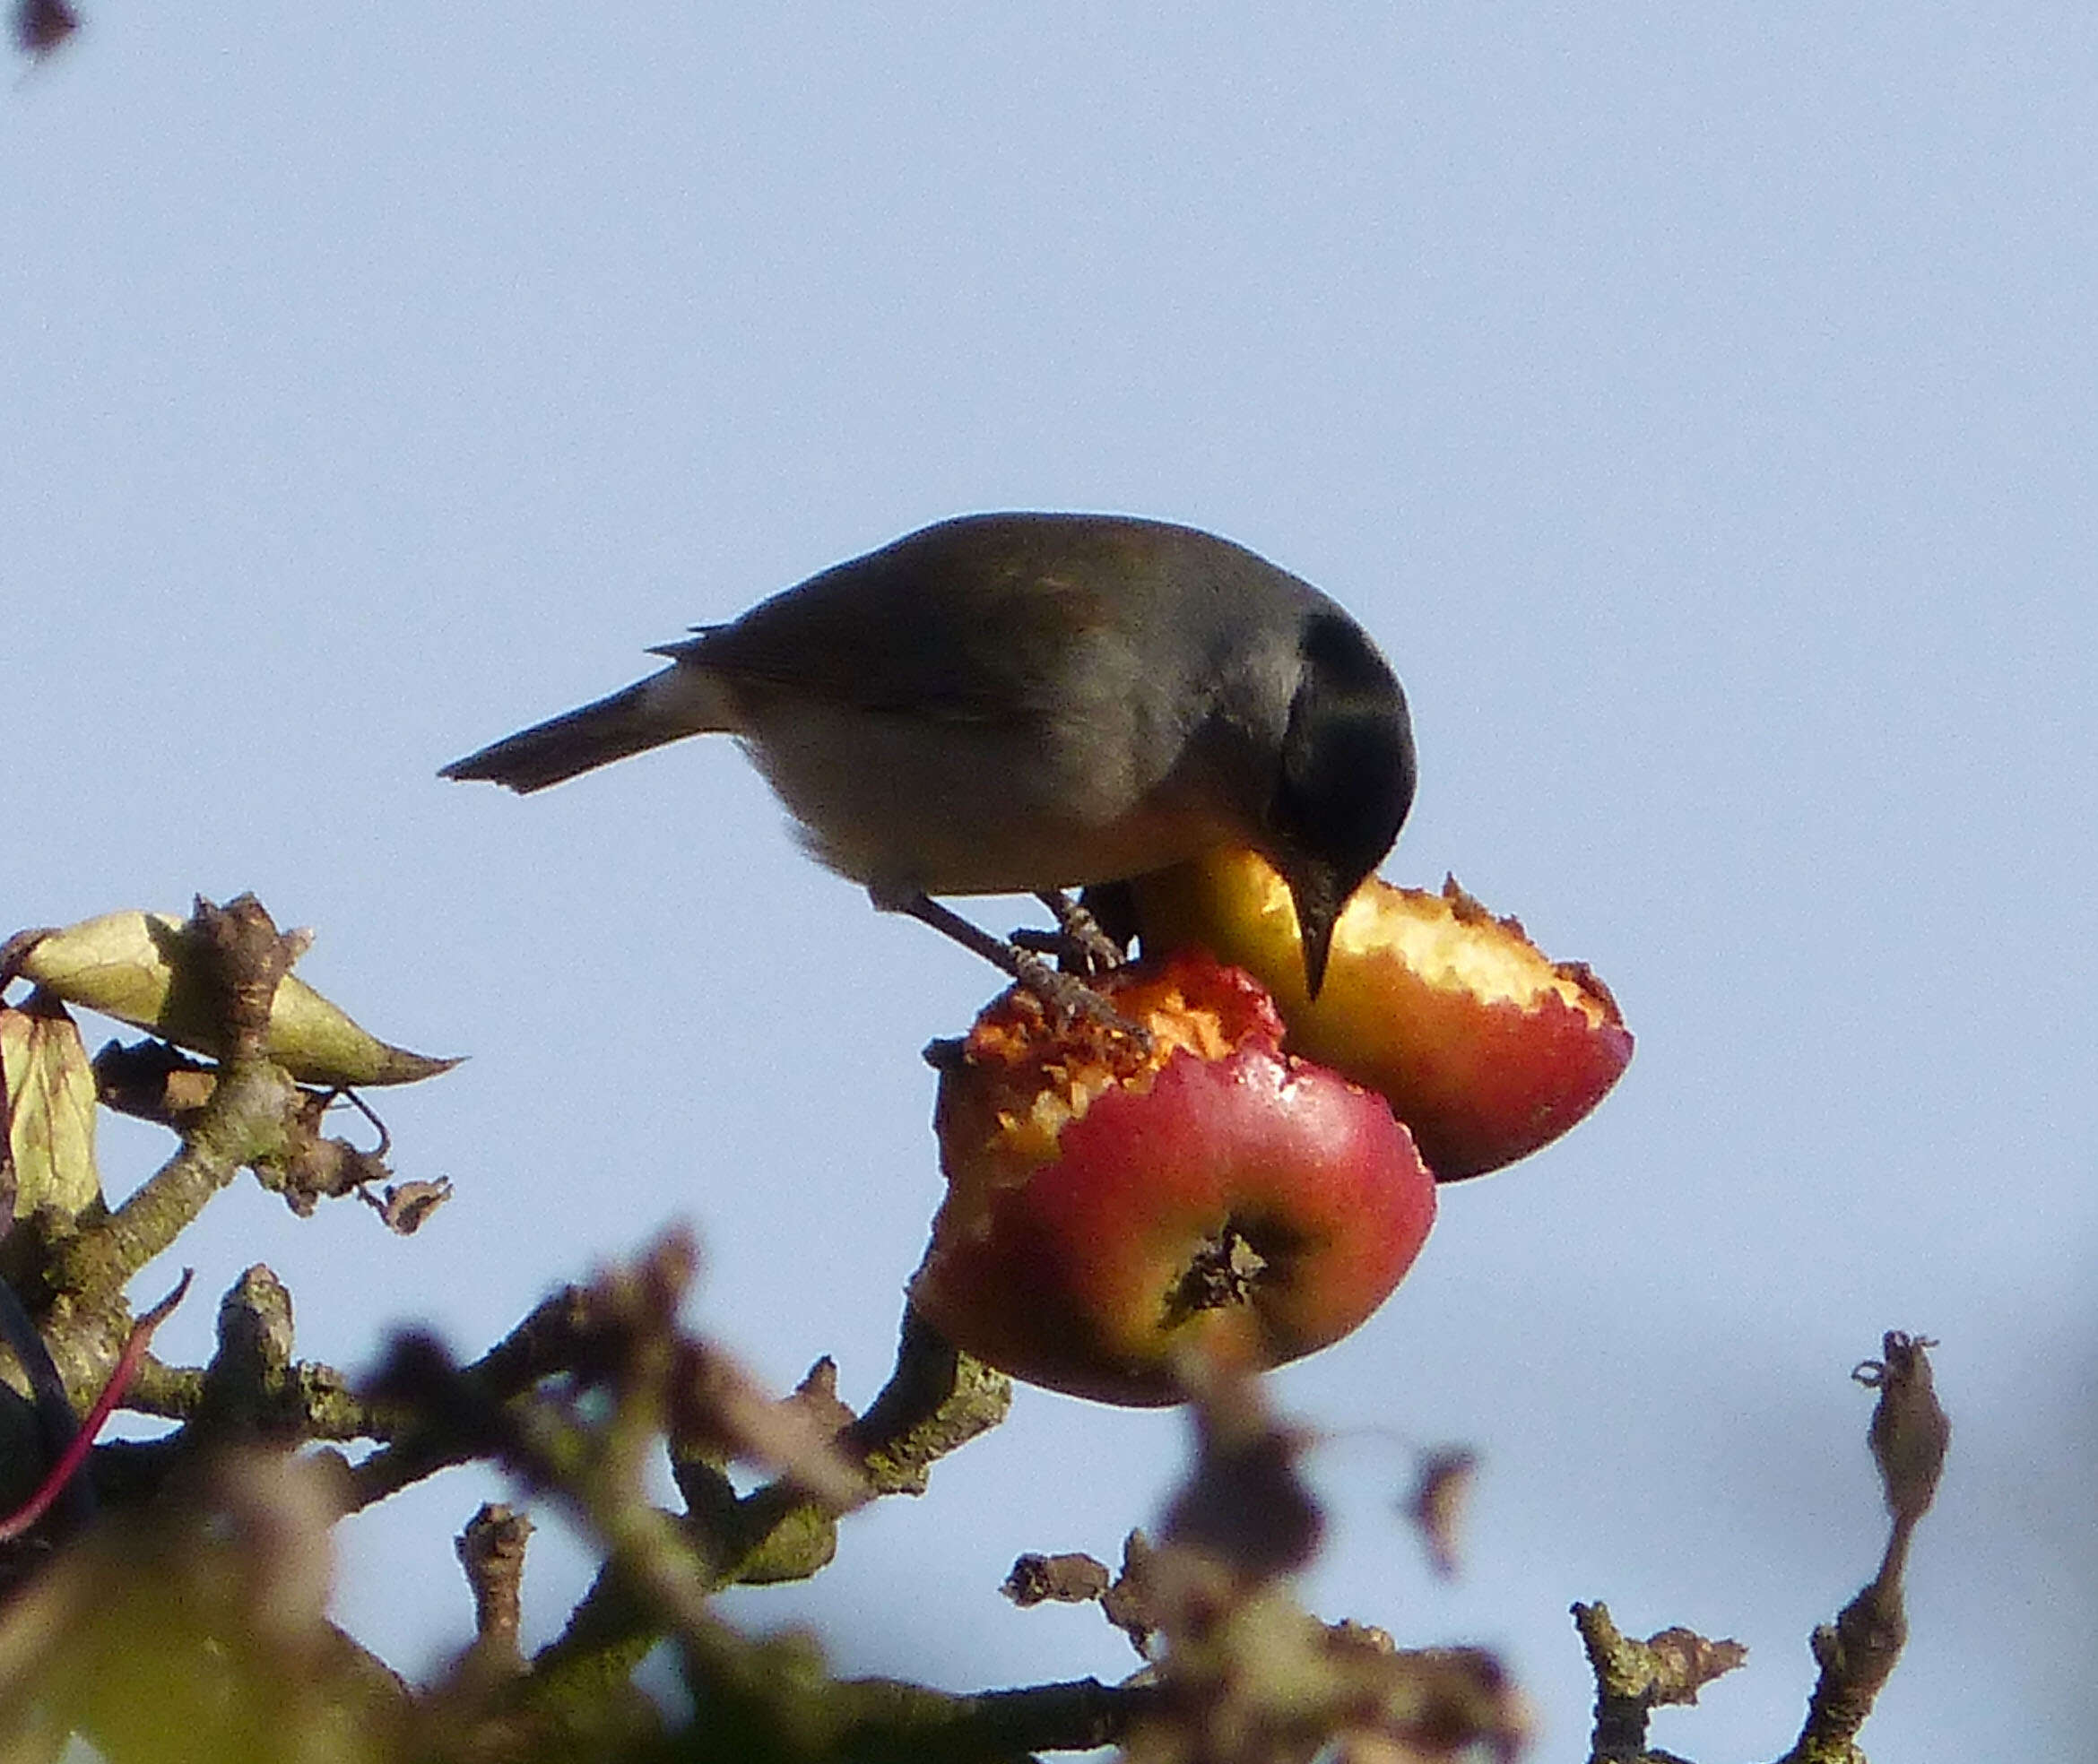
x=985, y=630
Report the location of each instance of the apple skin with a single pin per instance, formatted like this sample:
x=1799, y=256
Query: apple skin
x=1482, y=1045
x=1111, y=1212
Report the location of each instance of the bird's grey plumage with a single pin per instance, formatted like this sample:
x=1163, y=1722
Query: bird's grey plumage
x=1008, y=703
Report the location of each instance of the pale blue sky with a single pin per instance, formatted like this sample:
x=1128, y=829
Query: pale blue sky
x=1699, y=408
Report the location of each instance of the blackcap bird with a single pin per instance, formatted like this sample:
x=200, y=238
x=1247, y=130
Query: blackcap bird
x=1026, y=703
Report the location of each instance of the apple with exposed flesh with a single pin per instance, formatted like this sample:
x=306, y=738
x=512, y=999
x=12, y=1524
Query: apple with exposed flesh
x=1114, y=1210
x=1484, y=1046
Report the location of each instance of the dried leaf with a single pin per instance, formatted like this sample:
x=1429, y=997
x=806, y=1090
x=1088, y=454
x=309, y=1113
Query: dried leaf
x=1246, y=1504
x=406, y=1207
x=1441, y=1493
x=41, y=26
x=1910, y=1432
x=1687, y=1662
x=1073, y=1578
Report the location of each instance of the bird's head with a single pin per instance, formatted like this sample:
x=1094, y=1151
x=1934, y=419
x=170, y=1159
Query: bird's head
x=1346, y=778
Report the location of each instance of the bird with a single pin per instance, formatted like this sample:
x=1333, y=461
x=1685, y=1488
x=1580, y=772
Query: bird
x=1030, y=702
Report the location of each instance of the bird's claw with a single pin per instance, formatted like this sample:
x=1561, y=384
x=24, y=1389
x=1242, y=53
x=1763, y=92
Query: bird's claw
x=1077, y=942
x=1067, y=996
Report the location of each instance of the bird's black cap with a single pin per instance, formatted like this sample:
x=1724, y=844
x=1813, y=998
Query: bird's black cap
x=1347, y=778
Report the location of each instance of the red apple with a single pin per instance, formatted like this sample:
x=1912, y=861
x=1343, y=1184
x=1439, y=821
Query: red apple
x=1112, y=1209
x=1484, y=1046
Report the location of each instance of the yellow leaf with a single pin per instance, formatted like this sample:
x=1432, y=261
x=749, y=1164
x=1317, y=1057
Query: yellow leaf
x=50, y=1113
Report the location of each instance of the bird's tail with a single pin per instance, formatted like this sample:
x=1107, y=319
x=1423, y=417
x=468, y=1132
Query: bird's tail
x=667, y=706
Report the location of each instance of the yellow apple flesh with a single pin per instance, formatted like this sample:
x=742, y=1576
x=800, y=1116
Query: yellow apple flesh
x=1483, y=1047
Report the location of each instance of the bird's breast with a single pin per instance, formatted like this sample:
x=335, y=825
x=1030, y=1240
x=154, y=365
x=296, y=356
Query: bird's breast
x=961, y=808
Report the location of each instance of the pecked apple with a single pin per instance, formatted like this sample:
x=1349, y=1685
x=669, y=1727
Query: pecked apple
x=1114, y=1210
x=1484, y=1046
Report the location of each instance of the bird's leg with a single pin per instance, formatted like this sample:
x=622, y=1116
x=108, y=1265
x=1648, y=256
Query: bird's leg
x=1064, y=993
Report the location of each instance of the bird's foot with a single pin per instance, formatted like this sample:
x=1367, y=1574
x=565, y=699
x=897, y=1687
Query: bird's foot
x=1066, y=995
x=1078, y=943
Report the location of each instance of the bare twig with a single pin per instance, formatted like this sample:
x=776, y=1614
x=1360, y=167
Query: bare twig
x=491, y=1550
x=1856, y=1653
x=1634, y=1678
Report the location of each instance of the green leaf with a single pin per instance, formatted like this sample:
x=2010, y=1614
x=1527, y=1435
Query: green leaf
x=144, y=968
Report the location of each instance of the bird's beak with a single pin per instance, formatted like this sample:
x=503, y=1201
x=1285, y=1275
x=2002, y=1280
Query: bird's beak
x=1318, y=898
